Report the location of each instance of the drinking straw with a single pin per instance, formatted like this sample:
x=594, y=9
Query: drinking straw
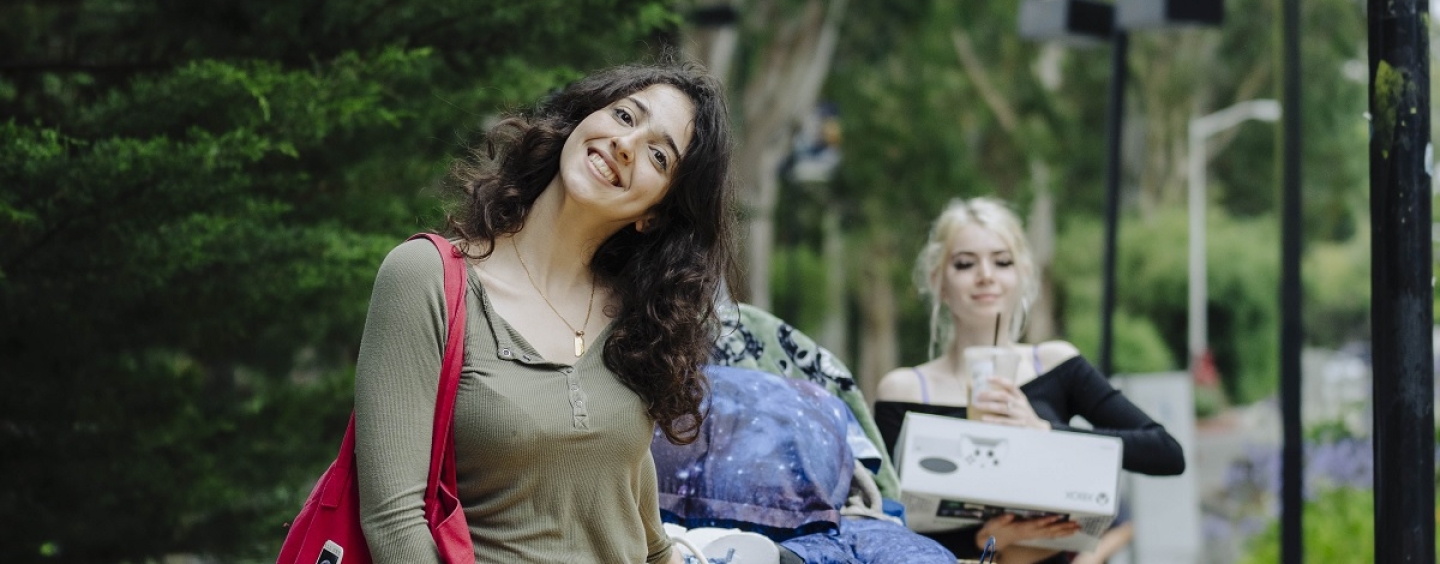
x=997, y=329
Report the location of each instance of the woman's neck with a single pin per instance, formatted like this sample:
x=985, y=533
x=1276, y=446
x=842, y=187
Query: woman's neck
x=557, y=243
x=971, y=333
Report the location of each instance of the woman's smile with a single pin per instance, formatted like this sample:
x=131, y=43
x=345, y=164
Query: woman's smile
x=601, y=164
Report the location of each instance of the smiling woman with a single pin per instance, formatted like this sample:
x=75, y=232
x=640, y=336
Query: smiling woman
x=977, y=272
x=630, y=154
x=584, y=336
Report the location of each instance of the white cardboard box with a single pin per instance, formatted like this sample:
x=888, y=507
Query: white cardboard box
x=955, y=473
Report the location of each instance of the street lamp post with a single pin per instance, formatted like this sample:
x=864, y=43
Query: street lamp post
x=1087, y=22
x=1201, y=128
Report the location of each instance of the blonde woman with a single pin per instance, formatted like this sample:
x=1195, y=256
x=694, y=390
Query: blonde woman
x=977, y=272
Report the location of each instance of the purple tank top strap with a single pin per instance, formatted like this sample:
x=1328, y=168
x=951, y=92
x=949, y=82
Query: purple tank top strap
x=1039, y=368
x=924, y=390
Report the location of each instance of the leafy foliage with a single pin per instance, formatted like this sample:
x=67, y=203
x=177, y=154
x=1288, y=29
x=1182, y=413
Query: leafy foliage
x=920, y=129
x=1339, y=526
x=917, y=133
x=194, y=195
x=1243, y=298
x=1139, y=342
x=193, y=200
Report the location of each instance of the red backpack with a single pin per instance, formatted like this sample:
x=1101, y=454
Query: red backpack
x=327, y=529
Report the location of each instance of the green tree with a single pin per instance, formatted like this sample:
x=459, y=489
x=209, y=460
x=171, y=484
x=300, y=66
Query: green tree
x=1152, y=305
x=193, y=200
x=940, y=100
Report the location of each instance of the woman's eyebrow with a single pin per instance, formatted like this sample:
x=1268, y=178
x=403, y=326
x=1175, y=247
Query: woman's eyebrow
x=645, y=113
x=981, y=252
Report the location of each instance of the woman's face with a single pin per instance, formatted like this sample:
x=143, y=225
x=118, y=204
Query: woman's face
x=620, y=160
x=979, y=280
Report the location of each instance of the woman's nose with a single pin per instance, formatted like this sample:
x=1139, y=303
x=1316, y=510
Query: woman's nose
x=624, y=148
x=985, y=271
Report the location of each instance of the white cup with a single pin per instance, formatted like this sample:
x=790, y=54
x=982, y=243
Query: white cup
x=985, y=364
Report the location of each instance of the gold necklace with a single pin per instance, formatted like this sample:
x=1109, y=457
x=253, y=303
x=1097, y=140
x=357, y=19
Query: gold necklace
x=590, y=305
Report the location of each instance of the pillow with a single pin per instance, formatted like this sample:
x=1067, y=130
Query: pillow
x=751, y=337
x=771, y=458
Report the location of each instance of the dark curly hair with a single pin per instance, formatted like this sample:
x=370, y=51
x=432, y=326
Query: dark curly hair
x=667, y=277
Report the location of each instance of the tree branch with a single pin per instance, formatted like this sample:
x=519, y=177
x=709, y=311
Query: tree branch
x=975, y=69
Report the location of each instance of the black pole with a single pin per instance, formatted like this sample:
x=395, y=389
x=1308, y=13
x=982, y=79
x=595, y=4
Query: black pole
x=1119, y=71
x=1292, y=481
x=1400, y=282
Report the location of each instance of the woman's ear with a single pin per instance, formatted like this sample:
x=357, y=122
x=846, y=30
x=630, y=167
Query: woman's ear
x=645, y=224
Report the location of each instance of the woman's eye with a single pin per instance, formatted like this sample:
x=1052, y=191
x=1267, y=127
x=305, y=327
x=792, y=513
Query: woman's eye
x=1004, y=263
x=963, y=265
x=661, y=158
x=624, y=116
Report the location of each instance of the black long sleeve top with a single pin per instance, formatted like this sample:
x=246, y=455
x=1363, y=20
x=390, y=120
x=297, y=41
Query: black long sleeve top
x=1073, y=387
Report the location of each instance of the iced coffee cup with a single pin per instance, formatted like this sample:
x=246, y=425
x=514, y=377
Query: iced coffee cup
x=986, y=364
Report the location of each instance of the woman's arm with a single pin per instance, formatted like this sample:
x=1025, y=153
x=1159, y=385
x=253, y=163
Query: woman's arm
x=1110, y=543
x=397, y=375
x=658, y=544
x=1149, y=448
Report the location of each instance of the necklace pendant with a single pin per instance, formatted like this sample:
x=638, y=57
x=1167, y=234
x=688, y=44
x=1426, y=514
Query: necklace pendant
x=579, y=344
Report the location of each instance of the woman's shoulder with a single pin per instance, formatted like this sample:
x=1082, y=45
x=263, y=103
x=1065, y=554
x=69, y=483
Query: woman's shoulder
x=419, y=257
x=410, y=266
x=1052, y=354
x=412, y=254
x=900, y=384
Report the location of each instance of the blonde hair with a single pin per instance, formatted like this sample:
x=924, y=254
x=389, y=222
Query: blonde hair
x=989, y=213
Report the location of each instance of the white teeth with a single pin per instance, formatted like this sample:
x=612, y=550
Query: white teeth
x=604, y=169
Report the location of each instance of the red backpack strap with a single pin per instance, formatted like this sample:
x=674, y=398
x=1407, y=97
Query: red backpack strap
x=442, y=508
x=329, y=522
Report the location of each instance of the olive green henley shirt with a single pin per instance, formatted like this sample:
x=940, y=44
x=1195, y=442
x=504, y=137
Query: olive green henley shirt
x=553, y=460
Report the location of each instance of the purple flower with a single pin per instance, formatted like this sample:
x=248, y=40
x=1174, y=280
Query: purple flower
x=1250, y=499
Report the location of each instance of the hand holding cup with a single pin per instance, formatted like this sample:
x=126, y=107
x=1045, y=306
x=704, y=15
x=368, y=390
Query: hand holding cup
x=986, y=366
x=1005, y=404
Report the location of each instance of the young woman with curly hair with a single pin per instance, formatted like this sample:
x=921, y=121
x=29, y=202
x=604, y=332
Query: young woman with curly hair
x=597, y=229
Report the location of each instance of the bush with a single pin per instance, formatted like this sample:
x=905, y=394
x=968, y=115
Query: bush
x=192, y=208
x=1338, y=526
x=1338, y=521
x=1138, y=346
x=1243, y=304
x=1209, y=401
x=798, y=281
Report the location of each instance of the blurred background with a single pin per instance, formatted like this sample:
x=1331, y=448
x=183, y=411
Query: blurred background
x=194, y=198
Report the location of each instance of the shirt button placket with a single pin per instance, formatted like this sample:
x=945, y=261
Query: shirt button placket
x=578, y=413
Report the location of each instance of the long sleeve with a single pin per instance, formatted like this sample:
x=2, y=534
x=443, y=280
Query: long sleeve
x=1149, y=448
x=657, y=542
x=396, y=379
